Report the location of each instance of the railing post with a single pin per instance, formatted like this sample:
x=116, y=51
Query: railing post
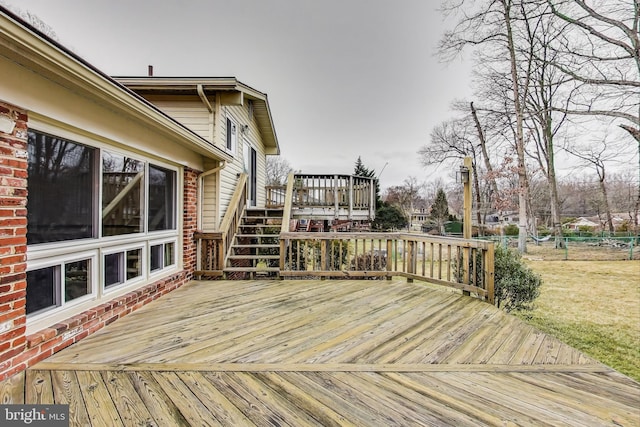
x=411, y=259
x=389, y=258
x=283, y=248
x=489, y=276
x=350, y=197
x=372, y=198
x=324, y=265
x=336, y=196
x=288, y=203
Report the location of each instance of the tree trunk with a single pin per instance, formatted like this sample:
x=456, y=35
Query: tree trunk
x=485, y=155
x=523, y=183
x=479, y=216
x=605, y=197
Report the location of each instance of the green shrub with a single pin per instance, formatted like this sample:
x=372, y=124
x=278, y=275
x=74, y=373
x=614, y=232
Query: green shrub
x=511, y=230
x=389, y=218
x=516, y=285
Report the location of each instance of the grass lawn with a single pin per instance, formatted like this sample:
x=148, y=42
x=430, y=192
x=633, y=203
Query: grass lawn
x=593, y=306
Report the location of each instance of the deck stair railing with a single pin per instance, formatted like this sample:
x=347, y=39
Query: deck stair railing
x=213, y=247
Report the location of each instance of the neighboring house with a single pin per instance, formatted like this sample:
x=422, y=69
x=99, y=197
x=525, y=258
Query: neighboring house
x=595, y=223
x=582, y=222
x=420, y=216
x=102, y=187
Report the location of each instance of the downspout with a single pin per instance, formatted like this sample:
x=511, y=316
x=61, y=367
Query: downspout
x=221, y=165
x=205, y=101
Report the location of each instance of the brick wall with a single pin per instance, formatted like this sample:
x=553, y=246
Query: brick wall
x=13, y=232
x=18, y=351
x=190, y=225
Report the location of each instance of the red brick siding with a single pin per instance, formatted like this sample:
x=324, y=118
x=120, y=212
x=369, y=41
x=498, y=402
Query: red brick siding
x=18, y=351
x=190, y=218
x=13, y=240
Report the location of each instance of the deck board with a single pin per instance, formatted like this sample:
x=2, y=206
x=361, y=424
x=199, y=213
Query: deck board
x=335, y=352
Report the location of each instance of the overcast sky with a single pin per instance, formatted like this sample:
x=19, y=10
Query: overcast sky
x=345, y=78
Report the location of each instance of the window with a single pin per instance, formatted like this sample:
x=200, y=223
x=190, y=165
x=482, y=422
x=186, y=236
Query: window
x=162, y=256
x=113, y=269
x=42, y=289
x=76, y=280
x=125, y=207
x=231, y=136
x=122, y=267
x=59, y=284
x=122, y=194
x=63, y=172
x=134, y=264
x=162, y=199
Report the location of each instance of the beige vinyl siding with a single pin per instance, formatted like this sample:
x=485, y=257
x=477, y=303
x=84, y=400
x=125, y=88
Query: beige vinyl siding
x=210, y=205
x=229, y=175
x=188, y=110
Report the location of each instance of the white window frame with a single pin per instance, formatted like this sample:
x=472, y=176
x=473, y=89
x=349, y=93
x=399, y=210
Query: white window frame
x=51, y=254
x=164, y=267
x=140, y=244
x=231, y=140
x=61, y=262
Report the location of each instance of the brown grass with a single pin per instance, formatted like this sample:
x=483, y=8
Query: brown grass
x=593, y=306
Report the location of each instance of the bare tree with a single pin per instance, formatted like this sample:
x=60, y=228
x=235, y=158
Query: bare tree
x=278, y=168
x=490, y=23
x=31, y=19
x=405, y=197
x=548, y=87
x=600, y=51
x=451, y=141
x=597, y=156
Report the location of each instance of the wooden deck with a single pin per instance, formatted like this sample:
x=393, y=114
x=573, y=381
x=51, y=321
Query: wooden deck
x=369, y=353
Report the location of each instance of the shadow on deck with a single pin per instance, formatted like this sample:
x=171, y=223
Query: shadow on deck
x=347, y=352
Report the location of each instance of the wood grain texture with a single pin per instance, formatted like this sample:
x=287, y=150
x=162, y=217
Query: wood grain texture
x=343, y=352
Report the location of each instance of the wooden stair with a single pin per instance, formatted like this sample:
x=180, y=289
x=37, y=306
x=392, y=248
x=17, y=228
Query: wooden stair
x=255, y=251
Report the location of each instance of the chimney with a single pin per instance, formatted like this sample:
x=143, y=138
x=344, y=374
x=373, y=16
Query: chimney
x=150, y=70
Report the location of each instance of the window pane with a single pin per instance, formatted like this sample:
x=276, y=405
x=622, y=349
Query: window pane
x=169, y=254
x=113, y=269
x=156, y=257
x=134, y=264
x=61, y=175
x=161, y=199
x=76, y=280
x=122, y=184
x=41, y=289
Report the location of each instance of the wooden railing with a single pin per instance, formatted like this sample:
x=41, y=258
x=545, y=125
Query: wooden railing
x=343, y=195
x=467, y=265
x=276, y=195
x=213, y=247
